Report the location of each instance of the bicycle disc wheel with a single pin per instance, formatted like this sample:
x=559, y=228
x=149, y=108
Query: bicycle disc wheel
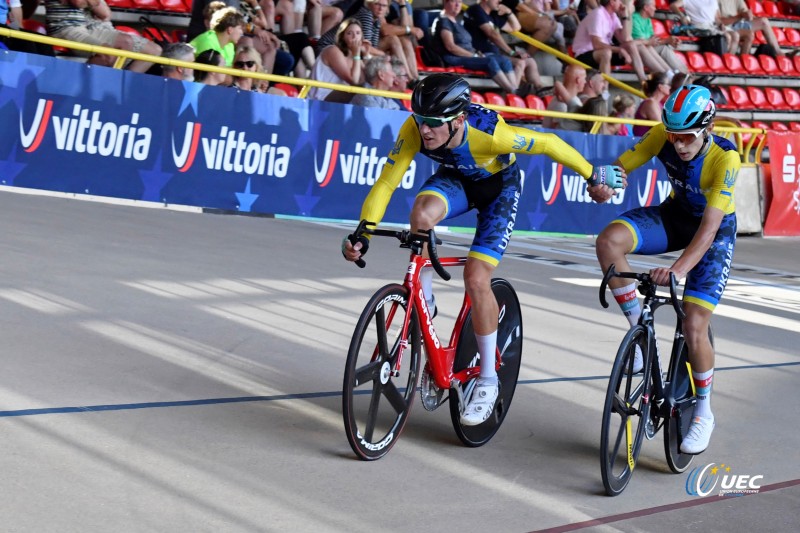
x=376, y=399
x=625, y=413
x=678, y=425
x=509, y=342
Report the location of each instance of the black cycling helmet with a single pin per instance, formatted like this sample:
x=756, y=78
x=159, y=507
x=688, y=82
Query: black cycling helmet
x=441, y=95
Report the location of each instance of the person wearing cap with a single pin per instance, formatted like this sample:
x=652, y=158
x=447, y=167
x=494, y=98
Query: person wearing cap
x=698, y=218
x=476, y=151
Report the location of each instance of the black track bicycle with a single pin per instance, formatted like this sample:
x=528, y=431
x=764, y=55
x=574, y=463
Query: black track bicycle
x=639, y=404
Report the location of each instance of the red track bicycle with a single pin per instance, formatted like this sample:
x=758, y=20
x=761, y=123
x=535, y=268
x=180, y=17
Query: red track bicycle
x=383, y=361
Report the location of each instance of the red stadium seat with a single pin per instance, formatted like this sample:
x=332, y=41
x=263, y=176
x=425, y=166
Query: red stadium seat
x=662, y=5
x=786, y=10
x=179, y=35
x=659, y=28
x=745, y=136
x=733, y=63
x=796, y=60
x=780, y=36
x=791, y=97
x=715, y=63
x=775, y=99
x=758, y=98
x=786, y=66
x=727, y=104
x=128, y=29
x=680, y=55
x=121, y=4
x=756, y=7
x=514, y=100
x=34, y=25
x=771, y=9
x=696, y=62
x=794, y=126
x=534, y=102
x=493, y=98
x=150, y=5
x=779, y=126
x=422, y=66
x=290, y=89
x=751, y=64
x=175, y=6
x=792, y=36
x=769, y=65
x=739, y=98
x=478, y=98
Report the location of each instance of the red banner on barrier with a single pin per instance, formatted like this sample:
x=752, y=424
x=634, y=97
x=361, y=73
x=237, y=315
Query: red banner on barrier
x=783, y=217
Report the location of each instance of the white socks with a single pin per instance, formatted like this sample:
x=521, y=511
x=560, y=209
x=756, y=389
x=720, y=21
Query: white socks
x=487, y=347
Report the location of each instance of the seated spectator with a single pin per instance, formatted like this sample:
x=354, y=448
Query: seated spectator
x=400, y=80
x=214, y=59
x=484, y=21
x=705, y=16
x=226, y=30
x=736, y=15
x=596, y=85
x=566, y=99
x=566, y=14
x=593, y=39
x=89, y=22
x=532, y=21
x=323, y=19
x=369, y=22
x=292, y=13
x=656, y=90
x=623, y=106
x=658, y=53
x=397, y=27
x=544, y=8
x=597, y=106
x=454, y=44
x=679, y=80
x=249, y=60
x=11, y=16
x=258, y=24
x=180, y=52
x=341, y=63
x=380, y=75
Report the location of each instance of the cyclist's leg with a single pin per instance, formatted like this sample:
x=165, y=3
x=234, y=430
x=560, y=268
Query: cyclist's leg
x=640, y=231
x=704, y=287
x=441, y=196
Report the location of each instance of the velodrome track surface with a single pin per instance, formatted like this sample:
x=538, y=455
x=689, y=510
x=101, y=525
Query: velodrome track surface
x=172, y=371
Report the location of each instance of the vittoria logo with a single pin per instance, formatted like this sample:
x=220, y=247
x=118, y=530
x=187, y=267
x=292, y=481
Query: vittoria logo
x=574, y=186
x=86, y=132
x=651, y=186
x=230, y=152
x=363, y=167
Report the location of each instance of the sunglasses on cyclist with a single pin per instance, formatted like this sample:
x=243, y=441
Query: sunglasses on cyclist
x=433, y=122
x=685, y=136
x=243, y=64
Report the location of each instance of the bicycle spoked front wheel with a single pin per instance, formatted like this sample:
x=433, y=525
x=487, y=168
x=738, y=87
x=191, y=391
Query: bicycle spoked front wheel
x=376, y=395
x=509, y=342
x=678, y=424
x=625, y=413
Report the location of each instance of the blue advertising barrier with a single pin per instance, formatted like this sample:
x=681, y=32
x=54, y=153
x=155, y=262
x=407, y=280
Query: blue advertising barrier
x=69, y=127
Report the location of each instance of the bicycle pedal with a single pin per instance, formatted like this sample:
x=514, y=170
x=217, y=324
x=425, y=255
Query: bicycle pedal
x=650, y=429
x=431, y=396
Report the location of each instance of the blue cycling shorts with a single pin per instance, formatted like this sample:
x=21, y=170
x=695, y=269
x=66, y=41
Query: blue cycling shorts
x=496, y=198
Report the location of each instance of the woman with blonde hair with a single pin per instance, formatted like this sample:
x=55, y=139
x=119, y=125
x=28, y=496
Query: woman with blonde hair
x=341, y=63
x=248, y=59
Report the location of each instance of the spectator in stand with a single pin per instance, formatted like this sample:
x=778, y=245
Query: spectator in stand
x=226, y=30
x=400, y=84
x=214, y=59
x=89, y=22
x=599, y=107
x=398, y=27
x=320, y=20
x=259, y=23
x=623, y=106
x=248, y=60
x=370, y=26
x=292, y=14
x=180, y=52
x=679, y=81
x=545, y=9
x=658, y=53
x=564, y=12
x=454, y=44
x=593, y=40
x=533, y=23
x=656, y=89
x=704, y=15
x=736, y=15
x=484, y=21
x=380, y=75
x=596, y=85
x=11, y=16
x=566, y=99
x=341, y=63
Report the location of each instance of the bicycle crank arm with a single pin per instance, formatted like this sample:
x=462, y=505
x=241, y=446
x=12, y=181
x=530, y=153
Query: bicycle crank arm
x=455, y=385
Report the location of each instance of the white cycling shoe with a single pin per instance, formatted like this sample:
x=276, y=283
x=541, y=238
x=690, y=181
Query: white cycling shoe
x=481, y=403
x=638, y=361
x=699, y=434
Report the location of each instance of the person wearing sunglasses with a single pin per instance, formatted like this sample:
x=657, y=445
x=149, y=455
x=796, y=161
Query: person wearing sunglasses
x=476, y=151
x=698, y=218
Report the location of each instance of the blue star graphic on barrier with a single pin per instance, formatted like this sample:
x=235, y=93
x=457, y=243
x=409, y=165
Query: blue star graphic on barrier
x=246, y=198
x=306, y=202
x=154, y=181
x=9, y=169
x=190, y=96
x=536, y=218
x=15, y=76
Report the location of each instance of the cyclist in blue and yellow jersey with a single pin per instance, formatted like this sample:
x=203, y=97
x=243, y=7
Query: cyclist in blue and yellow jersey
x=476, y=152
x=698, y=218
